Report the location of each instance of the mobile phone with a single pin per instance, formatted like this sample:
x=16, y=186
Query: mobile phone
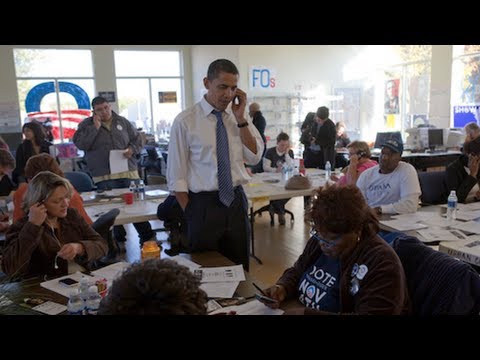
x=236, y=100
x=68, y=281
x=265, y=299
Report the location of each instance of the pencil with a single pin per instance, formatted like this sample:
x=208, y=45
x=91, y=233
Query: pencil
x=258, y=288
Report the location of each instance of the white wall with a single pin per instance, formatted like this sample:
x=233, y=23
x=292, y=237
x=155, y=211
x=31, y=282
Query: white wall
x=202, y=56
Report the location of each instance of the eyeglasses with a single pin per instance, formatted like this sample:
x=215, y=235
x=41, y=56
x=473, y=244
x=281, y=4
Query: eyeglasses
x=330, y=243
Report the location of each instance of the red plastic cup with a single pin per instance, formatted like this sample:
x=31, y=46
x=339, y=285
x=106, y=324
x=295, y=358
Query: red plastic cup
x=128, y=197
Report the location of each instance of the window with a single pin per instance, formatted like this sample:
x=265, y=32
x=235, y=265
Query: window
x=143, y=78
x=55, y=87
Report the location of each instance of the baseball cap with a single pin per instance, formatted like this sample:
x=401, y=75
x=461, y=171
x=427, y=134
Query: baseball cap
x=394, y=145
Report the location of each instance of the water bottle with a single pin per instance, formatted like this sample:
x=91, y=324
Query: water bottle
x=141, y=190
x=285, y=172
x=133, y=189
x=83, y=288
x=93, y=300
x=75, y=305
x=452, y=206
x=328, y=171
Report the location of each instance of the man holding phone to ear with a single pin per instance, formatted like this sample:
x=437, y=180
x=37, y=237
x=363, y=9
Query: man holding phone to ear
x=97, y=135
x=210, y=143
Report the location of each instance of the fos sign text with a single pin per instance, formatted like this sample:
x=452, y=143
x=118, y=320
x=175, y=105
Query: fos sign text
x=262, y=78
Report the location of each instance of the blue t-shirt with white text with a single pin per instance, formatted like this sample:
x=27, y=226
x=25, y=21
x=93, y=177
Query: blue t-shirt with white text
x=319, y=285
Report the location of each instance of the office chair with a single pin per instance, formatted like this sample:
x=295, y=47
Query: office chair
x=438, y=284
x=272, y=220
x=103, y=225
x=432, y=184
x=80, y=181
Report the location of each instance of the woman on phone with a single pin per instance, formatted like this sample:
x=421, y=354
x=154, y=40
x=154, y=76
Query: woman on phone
x=52, y=239
x=359, y=154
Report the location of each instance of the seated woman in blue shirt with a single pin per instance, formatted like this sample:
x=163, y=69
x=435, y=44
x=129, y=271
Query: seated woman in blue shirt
x=345, y=268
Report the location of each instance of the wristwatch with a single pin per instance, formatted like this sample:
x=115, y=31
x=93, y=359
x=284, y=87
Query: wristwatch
x=243, y=124
x=378, y=210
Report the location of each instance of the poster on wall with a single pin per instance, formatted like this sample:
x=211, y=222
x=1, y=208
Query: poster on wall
x=346, y=107
x=390, y=122
x=418, y=90
x=9, y=117
x=391, y=96
x=464, y=114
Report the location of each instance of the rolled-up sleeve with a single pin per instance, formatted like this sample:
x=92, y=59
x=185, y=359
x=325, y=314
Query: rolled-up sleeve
x=177, y=158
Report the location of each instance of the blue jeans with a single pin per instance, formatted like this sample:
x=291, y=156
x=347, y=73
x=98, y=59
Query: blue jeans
x=144, y=228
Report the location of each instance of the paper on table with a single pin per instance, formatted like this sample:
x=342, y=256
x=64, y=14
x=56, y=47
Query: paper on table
x=441, y=235
x=253, y=307
x=220, y=289
x=118, y=162
x=469, y=226
x=57, y=287
x=221, y=273
x=401, y=225
x=185, y=262
x=50, y=308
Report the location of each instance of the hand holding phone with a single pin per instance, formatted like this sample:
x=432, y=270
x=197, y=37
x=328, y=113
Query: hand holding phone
x=96, y=120
x=266, y=300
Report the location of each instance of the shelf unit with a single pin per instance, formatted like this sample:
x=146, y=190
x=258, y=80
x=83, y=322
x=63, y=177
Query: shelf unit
x=282, y=113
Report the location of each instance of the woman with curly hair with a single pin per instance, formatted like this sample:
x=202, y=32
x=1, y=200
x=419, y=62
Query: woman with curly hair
x=345, y=268
x=155, y=287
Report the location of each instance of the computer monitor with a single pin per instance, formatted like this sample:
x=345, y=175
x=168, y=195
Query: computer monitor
x=435, y=138
x=384, y=136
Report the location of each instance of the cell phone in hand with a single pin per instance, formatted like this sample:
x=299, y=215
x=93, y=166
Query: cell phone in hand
x=265, y=299
x=68, y=282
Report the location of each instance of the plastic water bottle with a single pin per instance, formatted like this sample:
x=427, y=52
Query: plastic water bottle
x=452, y=206
x=133, y=189
x=285, y=172
x=141, y=190
x=83, y=288
x=328, y=170
x=75, y=305
x=93, y=300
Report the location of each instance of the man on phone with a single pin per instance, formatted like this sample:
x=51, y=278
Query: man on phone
x=210, y=143
x=97, y=136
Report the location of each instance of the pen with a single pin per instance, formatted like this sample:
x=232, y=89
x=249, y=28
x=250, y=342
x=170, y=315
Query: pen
x=258, y=288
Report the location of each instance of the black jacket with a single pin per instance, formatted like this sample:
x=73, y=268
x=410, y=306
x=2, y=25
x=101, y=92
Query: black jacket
x=457, y=179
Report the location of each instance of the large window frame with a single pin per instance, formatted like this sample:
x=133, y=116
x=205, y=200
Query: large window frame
x=157, y=125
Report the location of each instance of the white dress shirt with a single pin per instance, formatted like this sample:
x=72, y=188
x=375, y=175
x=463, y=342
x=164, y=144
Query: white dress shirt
x=192, y=151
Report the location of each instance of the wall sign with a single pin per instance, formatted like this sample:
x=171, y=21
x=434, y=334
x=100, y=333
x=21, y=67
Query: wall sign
x=262, y=78
x=167, y=96
x=108, y=95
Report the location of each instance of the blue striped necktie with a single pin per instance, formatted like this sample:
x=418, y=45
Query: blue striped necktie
x=225, y=186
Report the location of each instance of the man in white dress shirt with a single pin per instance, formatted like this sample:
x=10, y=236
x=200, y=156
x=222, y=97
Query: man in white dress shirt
x=192, y=165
